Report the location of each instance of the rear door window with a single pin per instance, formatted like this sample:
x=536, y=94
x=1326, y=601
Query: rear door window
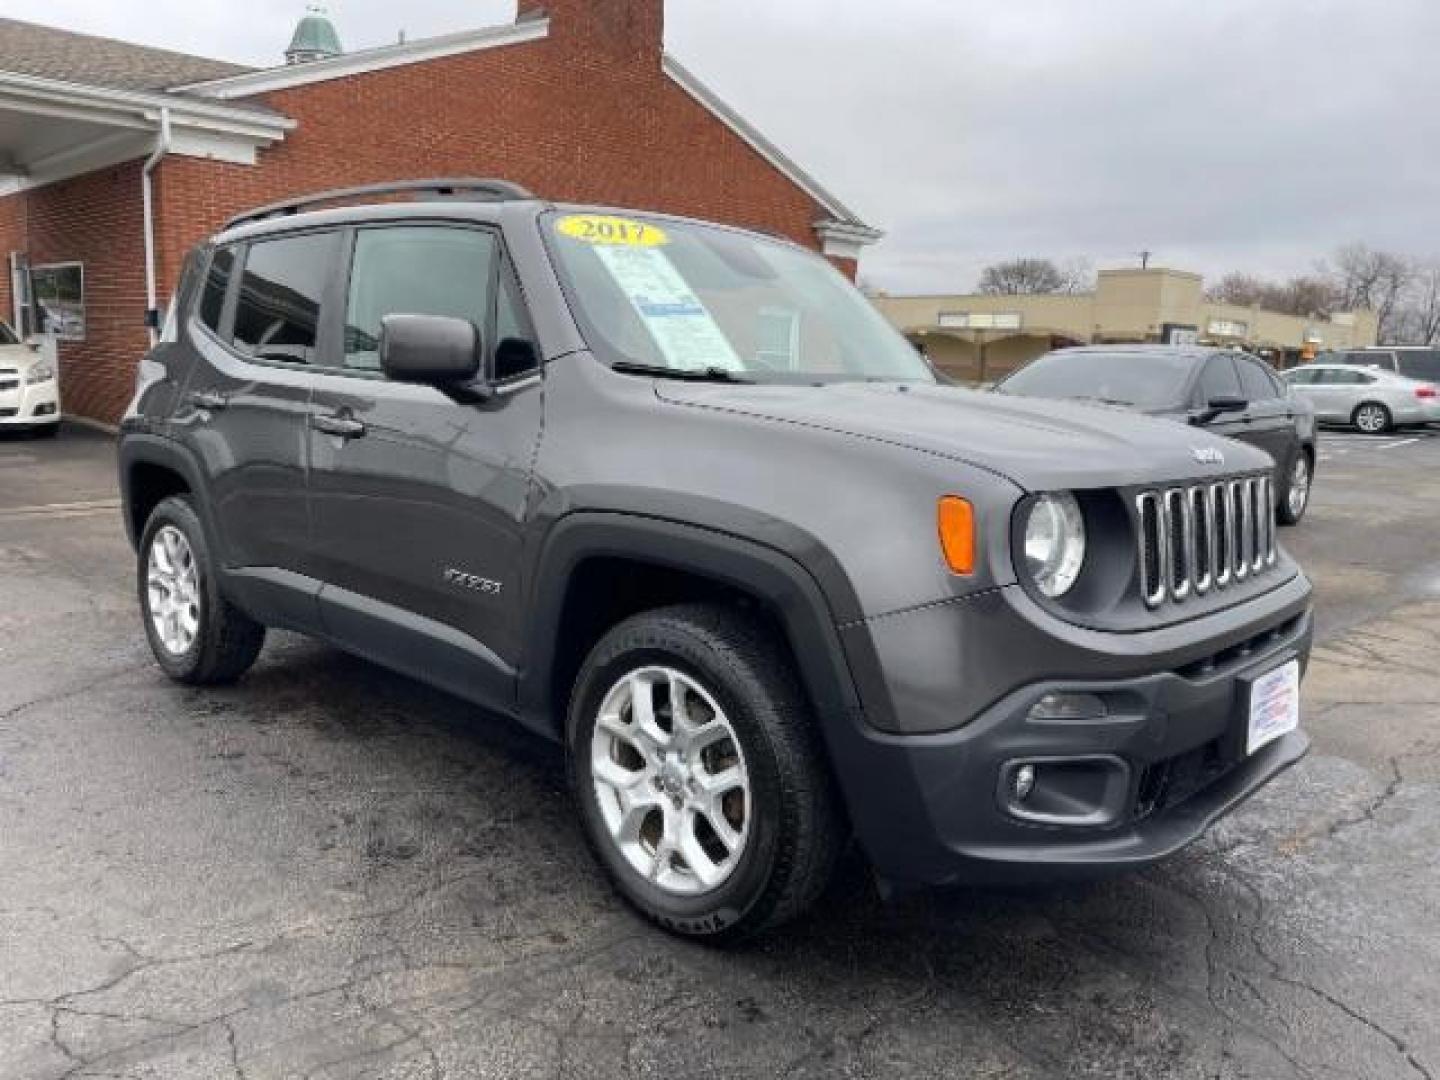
x=1302, y=377
x=277, y=313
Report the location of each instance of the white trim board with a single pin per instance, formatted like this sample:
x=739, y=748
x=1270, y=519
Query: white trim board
x=365, y=61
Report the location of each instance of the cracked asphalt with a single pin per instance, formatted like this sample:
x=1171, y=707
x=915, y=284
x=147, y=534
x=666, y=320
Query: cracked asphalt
x=329, y=871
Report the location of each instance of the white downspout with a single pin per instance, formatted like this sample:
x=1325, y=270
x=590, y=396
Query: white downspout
x=162, y=147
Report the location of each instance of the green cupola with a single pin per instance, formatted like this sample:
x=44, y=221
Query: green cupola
x=314, y=38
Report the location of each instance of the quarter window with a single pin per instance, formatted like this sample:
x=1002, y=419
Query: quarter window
x=425, y=270
x=277, y=316
x=217, y=284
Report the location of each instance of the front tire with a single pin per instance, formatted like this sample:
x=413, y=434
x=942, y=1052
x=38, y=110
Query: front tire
x=1295, y=497
x=702, y=788
x=198, y=637
x=1372, y=418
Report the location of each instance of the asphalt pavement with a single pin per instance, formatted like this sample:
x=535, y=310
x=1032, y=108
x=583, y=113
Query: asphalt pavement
x=329, y=871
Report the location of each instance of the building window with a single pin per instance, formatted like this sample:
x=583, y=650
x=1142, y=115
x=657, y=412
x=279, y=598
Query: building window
x=57, y=291
x=1228, y=328
x=981, y=320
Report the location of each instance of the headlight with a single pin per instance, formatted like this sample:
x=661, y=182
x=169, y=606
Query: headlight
x=1054, y=542
x=41, y=371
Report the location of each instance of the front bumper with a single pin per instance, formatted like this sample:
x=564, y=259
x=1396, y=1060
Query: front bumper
x=28, y=404
x=932, y=809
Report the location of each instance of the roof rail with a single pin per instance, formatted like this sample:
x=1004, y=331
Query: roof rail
x=488, y=190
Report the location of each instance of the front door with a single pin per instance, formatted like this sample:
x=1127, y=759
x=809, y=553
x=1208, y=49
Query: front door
x=1270, y=416
x=418, y=500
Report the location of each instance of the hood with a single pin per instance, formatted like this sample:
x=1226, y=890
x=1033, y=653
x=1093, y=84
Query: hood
x=20, y=357
x=1040, y=445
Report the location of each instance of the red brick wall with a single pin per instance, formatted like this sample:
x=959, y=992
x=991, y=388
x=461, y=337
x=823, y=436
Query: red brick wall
x=586, y=115
x=96, y=220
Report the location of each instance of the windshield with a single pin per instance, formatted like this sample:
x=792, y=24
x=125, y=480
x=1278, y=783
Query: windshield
x=7, y=336
x=1135, y=380
x=685, y=297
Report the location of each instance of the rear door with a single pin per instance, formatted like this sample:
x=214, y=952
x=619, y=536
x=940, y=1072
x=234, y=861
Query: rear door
x=258, y=331
x=419, y=499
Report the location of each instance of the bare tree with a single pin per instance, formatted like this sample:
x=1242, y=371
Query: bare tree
x=1022, y=277
x=1305, y=297
x=1077, y=276
x=1243, y=290
x=1374, y=280
x=1417, y=321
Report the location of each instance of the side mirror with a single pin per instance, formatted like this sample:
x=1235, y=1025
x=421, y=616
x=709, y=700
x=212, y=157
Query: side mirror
x=1218, y=406
x=433, y=350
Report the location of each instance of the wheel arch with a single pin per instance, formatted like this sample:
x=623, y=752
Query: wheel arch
x=584, y=547
x=151, y=469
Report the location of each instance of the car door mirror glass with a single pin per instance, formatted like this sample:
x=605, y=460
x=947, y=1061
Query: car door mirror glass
x=434, y=350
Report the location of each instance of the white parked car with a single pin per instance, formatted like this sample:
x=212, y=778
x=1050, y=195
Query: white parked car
x=1372, y=399
x=29, y=387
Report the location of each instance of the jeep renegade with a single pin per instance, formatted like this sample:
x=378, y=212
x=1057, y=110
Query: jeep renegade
x=674, y=495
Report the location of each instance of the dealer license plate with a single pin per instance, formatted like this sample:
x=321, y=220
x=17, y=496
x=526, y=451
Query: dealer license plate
x=1274, y=706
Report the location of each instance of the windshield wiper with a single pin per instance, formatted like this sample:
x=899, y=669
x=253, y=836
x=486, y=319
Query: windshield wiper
x=660, y=371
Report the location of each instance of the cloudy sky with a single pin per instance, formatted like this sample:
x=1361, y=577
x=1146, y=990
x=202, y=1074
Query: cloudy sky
x=1232, y=134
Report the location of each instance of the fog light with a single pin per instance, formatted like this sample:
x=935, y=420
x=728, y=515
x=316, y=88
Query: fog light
x=1069, y=707
x=1023, y=783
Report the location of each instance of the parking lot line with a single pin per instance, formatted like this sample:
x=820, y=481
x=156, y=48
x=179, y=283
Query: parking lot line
x=94, y=506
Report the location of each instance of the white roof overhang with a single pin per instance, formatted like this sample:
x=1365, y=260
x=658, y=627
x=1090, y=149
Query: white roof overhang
x=50, y=130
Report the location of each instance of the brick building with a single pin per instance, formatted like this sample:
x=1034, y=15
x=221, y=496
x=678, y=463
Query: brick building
x=576, y=100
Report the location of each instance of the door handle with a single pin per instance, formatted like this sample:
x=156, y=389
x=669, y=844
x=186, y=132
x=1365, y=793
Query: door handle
x=209, y=400
x=345, y=427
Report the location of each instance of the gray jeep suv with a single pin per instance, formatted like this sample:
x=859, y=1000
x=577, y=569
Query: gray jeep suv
x=675, y=496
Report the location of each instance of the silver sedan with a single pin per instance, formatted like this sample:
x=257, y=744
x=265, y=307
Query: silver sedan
x=1373, y=400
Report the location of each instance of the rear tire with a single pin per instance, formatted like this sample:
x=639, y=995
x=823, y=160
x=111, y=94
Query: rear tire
x=648, y=794
x=198, y=637
x=1372, y=418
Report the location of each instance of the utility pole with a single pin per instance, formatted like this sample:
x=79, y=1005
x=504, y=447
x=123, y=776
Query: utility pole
x=1145, y=259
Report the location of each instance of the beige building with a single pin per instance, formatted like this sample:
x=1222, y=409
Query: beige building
x=981, y=338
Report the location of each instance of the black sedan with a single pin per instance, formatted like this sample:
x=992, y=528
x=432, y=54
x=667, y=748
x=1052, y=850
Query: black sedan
x=1226, y=392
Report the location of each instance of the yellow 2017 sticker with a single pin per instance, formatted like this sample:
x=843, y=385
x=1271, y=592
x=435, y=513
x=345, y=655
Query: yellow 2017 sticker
x=611, y=231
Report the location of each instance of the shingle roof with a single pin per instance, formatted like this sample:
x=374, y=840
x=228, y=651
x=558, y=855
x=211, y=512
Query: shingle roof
x=43, y=51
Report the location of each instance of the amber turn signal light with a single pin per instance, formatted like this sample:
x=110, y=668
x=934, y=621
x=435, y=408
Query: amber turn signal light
x=957, y=534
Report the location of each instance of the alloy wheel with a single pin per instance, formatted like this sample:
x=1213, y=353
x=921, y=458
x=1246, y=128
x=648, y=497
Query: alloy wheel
x=1371, y=419
x=1299, y=493
x=172, y=589
x=671, y=781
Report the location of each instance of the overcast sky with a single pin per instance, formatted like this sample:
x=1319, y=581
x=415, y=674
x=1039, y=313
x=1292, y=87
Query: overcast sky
x=1231, y=134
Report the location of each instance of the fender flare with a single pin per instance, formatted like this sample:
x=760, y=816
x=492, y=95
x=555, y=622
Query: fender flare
x=843, y=681
x=137, y=448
